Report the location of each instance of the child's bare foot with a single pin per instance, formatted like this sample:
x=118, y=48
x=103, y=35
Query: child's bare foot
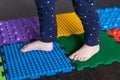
x=38, y=45
x=85, y=52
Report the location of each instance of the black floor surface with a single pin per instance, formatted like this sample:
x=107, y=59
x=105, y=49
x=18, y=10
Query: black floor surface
x=108, y=72
x=26, y=8
x=10, y=9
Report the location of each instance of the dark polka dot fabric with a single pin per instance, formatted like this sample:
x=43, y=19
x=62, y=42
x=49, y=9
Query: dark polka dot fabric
x=85, y=10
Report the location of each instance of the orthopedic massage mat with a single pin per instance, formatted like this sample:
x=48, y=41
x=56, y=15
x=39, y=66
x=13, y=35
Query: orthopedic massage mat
x=25, y=29
x=2, y=72
x=115, y=33
x=34, y=64
x=109, y=18
x=109, y=52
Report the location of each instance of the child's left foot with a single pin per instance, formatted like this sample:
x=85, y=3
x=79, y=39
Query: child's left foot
x=85, y=52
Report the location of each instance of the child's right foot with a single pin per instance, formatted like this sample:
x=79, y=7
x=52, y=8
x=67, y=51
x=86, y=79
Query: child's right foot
x=85, y=52
x=38, y=45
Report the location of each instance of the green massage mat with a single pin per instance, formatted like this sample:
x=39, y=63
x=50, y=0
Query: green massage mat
x=2, y=76
x=109, y=50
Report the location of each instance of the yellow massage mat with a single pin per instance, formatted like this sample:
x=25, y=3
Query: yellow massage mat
x=69, y=23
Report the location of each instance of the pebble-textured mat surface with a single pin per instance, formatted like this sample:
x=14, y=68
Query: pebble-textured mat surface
x=25, y=29
x=2, y=72
x=18, y=30
x=115, y=33
x=34, y=64
x=109, y=18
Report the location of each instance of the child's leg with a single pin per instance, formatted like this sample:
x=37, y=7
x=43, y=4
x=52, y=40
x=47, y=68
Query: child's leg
x=48, y=29
x=86, y=11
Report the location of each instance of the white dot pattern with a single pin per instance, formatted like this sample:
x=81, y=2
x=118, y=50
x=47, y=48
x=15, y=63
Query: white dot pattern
x=91, y=4
x=0, y=24
x=84, y=9
x=48, y=2
x=88, y=14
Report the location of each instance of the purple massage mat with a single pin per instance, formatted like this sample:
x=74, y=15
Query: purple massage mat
x=19, y=30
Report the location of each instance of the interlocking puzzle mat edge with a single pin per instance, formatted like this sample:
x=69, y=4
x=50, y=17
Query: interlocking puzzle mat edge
x=2, y=76
x=9, y=58
x=108, y=53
